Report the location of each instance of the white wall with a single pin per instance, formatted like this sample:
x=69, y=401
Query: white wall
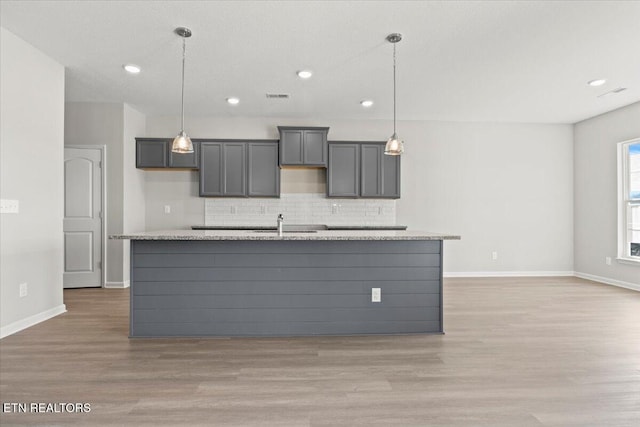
x=89, y=123
x=595, y=199
x=31, y=156
x=133, y=192
x=503, y=187
x=114, y=125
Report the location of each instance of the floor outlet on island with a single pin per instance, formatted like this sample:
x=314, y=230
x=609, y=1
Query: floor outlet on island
x=376, y=295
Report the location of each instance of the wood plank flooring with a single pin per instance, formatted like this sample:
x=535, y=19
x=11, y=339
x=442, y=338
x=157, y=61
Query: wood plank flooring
x=517, y=352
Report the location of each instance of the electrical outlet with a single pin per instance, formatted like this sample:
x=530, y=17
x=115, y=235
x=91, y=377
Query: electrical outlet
x=335, y=208
x=24, y=290
x=379, y=210
x=167, y=209
x=9, y=206
x=234, y=210
x=376, y=295
x=263, y=209
x=494, y=255
x=607, y=260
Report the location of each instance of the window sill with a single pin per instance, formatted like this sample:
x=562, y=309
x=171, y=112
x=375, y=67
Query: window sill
x=630, y=261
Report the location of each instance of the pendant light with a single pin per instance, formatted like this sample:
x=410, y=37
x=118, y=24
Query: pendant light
x=394, y=146
x=182, y=143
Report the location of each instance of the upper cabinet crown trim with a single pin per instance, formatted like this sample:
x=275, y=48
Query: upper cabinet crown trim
x=303, y=128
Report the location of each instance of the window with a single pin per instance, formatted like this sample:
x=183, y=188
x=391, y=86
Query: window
x=629, y=200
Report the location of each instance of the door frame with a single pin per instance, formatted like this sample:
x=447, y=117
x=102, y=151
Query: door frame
x=103, y=205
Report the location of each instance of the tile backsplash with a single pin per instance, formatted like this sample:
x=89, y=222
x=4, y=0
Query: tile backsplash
x=300, y=208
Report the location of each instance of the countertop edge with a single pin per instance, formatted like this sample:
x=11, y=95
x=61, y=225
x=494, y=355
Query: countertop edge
x=292, y=236
x=328, y=227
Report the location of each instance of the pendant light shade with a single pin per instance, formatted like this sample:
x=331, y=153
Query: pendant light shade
x=394, y=146
x=182, y=143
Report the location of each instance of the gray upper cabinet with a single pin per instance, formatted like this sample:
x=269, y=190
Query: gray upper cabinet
x=263, y=171
x=234, y=169
x=303, y=146
x=290, y=146
x=371, y=174
x=315, y=147
x=343, y=174
x=223, y=169
x=184, y=160
x=380, y=174
x=211, y=169
x=390, y=176
x=361, y=170
x=156, y=153
x=151, y=153
x=239, y=169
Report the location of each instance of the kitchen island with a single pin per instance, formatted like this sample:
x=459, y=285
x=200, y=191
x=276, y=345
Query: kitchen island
x=257, y=283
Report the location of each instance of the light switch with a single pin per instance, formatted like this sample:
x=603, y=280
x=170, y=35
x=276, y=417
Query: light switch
x=9, y=206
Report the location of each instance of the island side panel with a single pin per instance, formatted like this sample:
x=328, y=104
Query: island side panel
x=285, y=288
x=441, y=242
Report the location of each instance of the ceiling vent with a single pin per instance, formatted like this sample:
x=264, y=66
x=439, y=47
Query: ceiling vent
x=611, y=92
x=278, y=95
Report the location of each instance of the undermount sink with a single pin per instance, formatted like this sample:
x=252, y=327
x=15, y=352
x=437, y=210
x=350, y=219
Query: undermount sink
x=285, y=231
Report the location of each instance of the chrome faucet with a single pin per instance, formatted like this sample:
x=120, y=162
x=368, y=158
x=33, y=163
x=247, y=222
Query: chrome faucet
x=280, y=225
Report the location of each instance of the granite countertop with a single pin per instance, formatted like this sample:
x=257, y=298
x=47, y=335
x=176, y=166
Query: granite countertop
x=272, y=235
x=366, y=227
x=300, y=226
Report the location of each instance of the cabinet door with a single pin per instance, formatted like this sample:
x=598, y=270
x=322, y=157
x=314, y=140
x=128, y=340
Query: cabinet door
x=234, y=164
x=315, y=148
x=291, y=147
x=151, y=154
x=390, y=176
x=183, y=160
x=211, y=169
x=371, y=170
x=264, y=173
x=343, y=174
x=380, y=174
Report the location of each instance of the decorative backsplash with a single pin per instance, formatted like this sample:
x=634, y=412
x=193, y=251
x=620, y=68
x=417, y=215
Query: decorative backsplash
x=300, y=208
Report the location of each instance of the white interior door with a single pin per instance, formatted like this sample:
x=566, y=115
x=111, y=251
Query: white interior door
x=82, y=217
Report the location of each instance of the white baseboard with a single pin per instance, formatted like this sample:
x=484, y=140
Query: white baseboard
x=31, y=320
x=508, y=274
x=117, y=285
x=607, y=281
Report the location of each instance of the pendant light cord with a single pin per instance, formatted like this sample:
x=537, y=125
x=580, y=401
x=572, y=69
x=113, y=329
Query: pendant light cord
x=394, y=88
x=184, y=55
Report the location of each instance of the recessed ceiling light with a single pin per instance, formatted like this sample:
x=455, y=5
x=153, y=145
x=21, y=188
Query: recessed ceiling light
x=366, y=103
x=305, y=74
x=132, y=68
x=233, y=101
x=597, y=82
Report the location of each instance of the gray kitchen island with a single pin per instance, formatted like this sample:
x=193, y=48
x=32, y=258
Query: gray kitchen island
x=256, y=283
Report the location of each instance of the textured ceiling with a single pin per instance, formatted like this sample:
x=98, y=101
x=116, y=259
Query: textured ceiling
x=503, y=61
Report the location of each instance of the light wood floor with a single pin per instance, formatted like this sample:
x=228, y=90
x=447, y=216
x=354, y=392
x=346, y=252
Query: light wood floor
x=517, y=352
